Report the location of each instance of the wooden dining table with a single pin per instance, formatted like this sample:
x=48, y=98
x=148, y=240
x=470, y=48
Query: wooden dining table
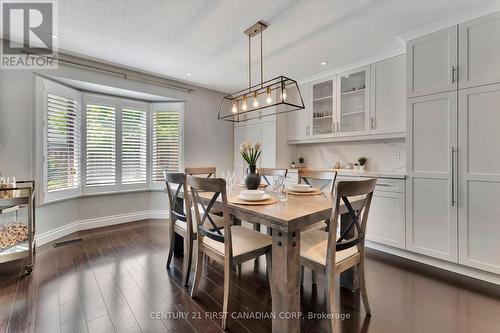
x=287, y=219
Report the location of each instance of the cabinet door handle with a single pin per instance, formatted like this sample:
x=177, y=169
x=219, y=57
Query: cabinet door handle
x=453, y=176
x=372, y=122
x=453, y=77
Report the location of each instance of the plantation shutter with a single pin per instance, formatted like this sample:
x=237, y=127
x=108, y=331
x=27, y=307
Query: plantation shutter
x=166, y=139
x=101, y=144
x=62, y=147
x=63, y=143
x=134, y=146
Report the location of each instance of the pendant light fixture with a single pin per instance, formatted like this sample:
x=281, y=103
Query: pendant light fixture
x=267, y=98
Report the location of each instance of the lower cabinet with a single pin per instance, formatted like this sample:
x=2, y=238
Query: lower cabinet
x=386, y=220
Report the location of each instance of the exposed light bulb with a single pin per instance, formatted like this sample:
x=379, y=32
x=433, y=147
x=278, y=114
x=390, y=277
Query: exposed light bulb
x=234, y=109
x=244, y=105
x=269, y=99
x=255, y=100
x=283, y=92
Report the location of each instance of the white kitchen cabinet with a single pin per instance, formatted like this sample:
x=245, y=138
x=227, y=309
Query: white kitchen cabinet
x=386, y=220
x=268, y=141
x=298, y=121
x=323, y=108
x=431, y=221
x=479, y=178
x=432, y=63
x=353, y=102
x=387, y=98
x=479, y=43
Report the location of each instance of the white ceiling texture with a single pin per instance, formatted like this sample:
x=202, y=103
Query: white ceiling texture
x=205, y=37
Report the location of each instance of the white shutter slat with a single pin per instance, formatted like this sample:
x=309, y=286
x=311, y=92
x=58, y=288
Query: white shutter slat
x=101, y=145
x=63, y=142
x=166, y=143
x=134, y=146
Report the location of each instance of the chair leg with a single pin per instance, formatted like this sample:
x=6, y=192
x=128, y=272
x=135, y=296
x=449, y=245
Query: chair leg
x=313, y=276
x=188, y=256
x=301, y=275
x=269, y=265
x=228, y=274
x=197, y=272
x=330, y=298
x=362, y=286
x=171, y=247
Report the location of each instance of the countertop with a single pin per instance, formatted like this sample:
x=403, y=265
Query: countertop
x=361, y=173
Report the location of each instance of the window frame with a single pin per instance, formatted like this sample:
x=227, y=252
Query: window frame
x=166, y=107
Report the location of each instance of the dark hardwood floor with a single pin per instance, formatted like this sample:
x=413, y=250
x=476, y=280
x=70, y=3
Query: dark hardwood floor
x=115, y=280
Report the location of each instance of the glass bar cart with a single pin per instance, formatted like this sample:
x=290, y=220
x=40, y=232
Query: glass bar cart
x=17, y=223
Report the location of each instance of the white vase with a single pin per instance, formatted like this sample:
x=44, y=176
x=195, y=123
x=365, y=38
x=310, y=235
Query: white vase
x=362, y=167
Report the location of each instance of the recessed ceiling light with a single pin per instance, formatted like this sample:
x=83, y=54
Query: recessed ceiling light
x=323, y=63
x=189, y=74
x=55, y=37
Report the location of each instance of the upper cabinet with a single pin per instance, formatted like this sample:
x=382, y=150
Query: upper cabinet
x=353, y=104
x=479, y=51
x=387, y=110
x=432, y=63
x=298, y=121
x=323, y=107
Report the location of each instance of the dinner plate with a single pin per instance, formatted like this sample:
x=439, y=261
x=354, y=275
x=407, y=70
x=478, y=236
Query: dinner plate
x=264, y=197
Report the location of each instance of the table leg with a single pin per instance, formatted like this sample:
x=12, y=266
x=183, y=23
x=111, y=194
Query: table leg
x=348, y=277
x=286, y=282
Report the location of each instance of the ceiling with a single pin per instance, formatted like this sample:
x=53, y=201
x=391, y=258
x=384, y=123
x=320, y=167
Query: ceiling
x=204, y=37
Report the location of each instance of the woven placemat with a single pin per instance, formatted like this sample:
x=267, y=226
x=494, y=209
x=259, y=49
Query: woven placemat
x=238, y=201
x=315, y=191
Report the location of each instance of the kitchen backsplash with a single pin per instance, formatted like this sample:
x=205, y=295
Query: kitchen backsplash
x=383, y=155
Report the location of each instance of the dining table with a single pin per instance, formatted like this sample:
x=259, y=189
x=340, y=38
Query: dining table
x=287, y=219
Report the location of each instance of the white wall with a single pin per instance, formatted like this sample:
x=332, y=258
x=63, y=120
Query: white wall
x=208, y=142
x=380, y=154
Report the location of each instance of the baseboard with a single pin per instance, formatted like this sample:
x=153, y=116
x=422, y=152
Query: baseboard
x=438, y=263
x=98, y=222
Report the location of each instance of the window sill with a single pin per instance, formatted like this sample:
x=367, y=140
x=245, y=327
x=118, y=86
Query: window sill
x=102, y=194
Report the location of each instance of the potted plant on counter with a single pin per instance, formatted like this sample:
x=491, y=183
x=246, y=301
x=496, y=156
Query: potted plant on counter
x=251, y=154
x=362, y=162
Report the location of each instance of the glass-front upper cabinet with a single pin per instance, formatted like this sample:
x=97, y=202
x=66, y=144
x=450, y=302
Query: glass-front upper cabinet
x=353, y=102
x=323, y=107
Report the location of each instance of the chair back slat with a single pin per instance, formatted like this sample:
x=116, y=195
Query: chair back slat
x=354, y=233
x=217, y=186
x=271, y=172
x=196, y=171
x=327, y=178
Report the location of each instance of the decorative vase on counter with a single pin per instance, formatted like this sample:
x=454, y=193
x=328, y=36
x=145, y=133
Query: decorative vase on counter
x=252, y=179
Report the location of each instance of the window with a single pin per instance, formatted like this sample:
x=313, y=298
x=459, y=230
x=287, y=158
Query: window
x=134, y=146
x=61, y=154
x=99, y=144
x=167, y=133
x=100, y=158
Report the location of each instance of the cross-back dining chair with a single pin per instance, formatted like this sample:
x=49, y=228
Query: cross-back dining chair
x=181, y=222
x=208, y=172
x=323, y=252
x=230, y=246
x=327, y=178
x=272, y=172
